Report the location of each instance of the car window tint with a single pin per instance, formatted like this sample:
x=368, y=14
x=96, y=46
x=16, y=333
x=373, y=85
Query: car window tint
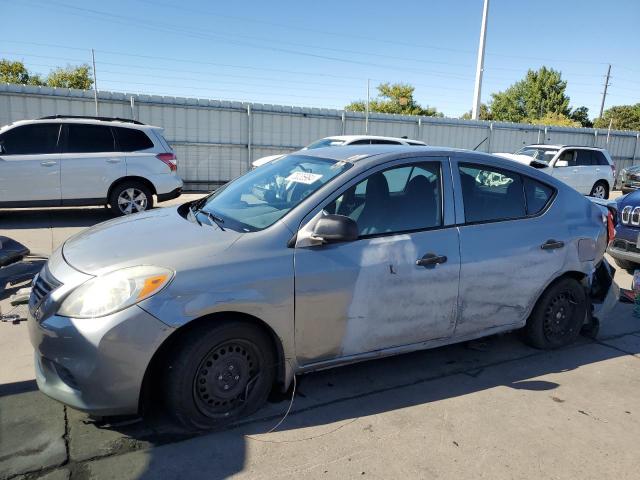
x=583, y=158
x=538, y=195
x=491, y=194
x=599, y=158
x=89, y=139
x=568, y=157
x=379, y=210
x=361, y=142
x=384, y=142
x=31, y=139
x=131, y=140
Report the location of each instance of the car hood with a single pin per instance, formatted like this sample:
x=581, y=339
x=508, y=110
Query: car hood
x=631, y=199
x=160, y=237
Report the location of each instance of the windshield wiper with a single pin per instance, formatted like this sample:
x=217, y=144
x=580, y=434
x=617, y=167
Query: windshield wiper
x=217, y=220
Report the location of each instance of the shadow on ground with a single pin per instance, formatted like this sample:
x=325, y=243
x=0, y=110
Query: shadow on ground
x=52, y=218
x=325, y=403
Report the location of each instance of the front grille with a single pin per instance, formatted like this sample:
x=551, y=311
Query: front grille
x=44, y=284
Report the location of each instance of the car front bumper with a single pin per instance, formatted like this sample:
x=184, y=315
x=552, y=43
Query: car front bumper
x=96, y=365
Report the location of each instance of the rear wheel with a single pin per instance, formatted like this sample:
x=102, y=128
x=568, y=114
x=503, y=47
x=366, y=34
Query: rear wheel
x=130, y=197
x=558, y=316
x=600, y=190
x=216, y=375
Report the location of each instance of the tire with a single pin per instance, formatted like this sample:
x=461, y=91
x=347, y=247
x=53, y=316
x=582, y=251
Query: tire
x=558, y=316
x=130, y=197
x=216, y=375
x=627, y=265
x=600, y=190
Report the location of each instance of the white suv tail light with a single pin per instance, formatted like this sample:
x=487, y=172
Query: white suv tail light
x=168, y=159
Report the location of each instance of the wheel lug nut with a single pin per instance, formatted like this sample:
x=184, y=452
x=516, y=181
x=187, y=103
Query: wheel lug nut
x=237, y=377
x=230, y=367
x=219, y=377
x=226, y=387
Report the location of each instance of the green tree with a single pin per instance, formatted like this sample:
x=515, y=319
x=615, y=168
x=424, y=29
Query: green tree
x=15, y=72
x=394, y=98
x=581, y=115
x=622, y=117
x=556, y=119
x=485, y=113
x=71, y=77
x=538, y=94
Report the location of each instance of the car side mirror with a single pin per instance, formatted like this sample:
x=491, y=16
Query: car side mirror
x=335, y=228
x=561, y=163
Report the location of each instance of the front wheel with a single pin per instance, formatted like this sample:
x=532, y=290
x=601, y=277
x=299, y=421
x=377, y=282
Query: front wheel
x=600, y=190
x=558, y=316
x=218, y=374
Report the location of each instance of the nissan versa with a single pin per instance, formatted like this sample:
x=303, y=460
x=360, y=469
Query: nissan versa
x=317, y=259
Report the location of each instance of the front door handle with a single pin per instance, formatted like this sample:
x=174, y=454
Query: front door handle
x=113, y=160
x=552, y=245
x=431, y=259
x=50, y=163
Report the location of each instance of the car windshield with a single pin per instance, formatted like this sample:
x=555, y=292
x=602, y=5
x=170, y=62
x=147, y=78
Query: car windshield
x=325, y=142
x=540, y=154
x=263, y=196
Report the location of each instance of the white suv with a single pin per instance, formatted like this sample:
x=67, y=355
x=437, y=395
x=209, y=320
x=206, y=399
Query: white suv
x=589, y=170
x=347, y=140
x=74, y=161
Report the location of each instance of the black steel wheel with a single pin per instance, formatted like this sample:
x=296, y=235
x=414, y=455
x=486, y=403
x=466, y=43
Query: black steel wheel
x=558, y=316
x=216, y=374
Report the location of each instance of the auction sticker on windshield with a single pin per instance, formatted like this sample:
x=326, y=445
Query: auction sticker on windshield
x=304, y=177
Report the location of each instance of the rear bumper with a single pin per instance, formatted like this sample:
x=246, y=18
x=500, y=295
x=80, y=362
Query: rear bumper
x=163, y=197
x=622, y=249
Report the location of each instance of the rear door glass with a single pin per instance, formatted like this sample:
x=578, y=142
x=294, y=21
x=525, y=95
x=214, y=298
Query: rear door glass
x=584, y=158
x=89, y=139
x=538, y=195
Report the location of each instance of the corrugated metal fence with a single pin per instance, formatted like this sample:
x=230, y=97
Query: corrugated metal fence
x=217, y=140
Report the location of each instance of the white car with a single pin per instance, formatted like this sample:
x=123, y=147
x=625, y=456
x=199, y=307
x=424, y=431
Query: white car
x=74, y=161
x=344, y=140
x=589, y=170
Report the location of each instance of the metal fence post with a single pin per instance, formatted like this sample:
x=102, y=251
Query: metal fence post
x=344, y=122
x=419, y=137
x=490, y=137
x=249, y=137
x=544, y=140
x=635, y=148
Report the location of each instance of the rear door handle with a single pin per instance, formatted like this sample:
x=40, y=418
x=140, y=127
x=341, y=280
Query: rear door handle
x=431, y=259
x=113, y=160
x=49, y=163
x=552, y=245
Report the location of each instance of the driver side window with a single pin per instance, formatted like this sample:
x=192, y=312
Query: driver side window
x=399, y=199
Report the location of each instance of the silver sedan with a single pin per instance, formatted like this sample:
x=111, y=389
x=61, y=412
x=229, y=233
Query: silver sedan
x=318, y=259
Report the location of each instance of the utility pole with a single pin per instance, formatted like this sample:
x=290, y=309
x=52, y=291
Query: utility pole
x=95, y=81
x=604, y=94
x=366, y=116
x=475, y=111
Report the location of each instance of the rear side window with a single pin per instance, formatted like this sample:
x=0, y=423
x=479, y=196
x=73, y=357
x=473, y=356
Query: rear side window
x=538, y=195
x=31, y=139
x=599, y=158
x=491, y=194
x=89, y=139
x=584, y=158
x=131, y=140
x=361, y=142
x=384, y=142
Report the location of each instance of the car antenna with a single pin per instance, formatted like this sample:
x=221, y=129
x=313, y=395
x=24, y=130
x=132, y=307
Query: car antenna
x=476, y=147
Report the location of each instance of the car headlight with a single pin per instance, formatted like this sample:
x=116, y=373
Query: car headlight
x=114, y=291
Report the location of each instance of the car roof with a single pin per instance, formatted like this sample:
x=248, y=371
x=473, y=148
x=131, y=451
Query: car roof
x=356, y=153
x=84, y=121
x=558, y=147
x=351, y=138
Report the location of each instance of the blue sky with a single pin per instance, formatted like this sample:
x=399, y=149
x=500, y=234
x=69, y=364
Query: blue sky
x=321, y=53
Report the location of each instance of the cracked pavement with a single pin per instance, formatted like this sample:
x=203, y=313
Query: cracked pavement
x=496, y=410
